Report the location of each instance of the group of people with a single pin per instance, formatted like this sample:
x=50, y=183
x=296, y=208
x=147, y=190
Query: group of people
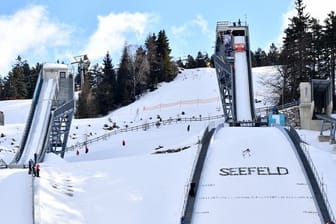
x=33, y=168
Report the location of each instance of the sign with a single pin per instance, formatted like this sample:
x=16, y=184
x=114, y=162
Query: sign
x=240, y=47
x=276, y=119
x=258, y=171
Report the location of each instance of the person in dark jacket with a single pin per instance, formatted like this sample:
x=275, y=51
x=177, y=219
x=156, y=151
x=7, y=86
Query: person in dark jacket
x=30, y=166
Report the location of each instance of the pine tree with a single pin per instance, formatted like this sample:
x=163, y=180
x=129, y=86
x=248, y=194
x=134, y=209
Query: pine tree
x=179, y=63
x=296, y=51
x=2, y=86
x=200, y=60
x=163, y=56
x=154, y=66
x=31, y=78
x=316, y=50
x=141, y=71
x=125, y=79
x=329, y=38
x=106, y=91
x=16, y=87
x=191, y=63
x=260, y=57
x=273, y=55
x=86, y=104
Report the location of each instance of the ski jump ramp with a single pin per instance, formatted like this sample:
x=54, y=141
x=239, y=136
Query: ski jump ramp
x=40, y=122
x=250, y=174
x=265, y=184
x=50, y=114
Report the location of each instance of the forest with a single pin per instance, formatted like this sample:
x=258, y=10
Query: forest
x=307, y=52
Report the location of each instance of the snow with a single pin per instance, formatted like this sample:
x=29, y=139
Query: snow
x=231, y=180
x=39, y=124
x=241, y=82
x=55, y=66
x=130, y=184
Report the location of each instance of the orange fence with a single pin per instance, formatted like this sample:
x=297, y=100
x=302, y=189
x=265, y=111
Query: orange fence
x=182, y=102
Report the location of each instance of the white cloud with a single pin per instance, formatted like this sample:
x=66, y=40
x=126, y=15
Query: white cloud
x=320, y=9
x=29, y=30
x=202, y=23
x=184, y=29
x=317, y=9
x=178, y=30
x=183, y=37
x=114, y=29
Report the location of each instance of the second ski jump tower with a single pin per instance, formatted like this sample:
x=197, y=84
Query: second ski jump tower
x=233, y=68
x=48, y=124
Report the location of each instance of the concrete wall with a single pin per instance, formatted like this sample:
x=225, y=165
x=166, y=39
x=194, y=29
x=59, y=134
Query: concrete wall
x=307, y=108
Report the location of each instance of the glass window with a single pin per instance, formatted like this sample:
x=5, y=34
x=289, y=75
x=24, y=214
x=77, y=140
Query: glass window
x=62, y=74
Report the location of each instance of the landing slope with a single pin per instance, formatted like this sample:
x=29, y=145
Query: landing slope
x=263, y=185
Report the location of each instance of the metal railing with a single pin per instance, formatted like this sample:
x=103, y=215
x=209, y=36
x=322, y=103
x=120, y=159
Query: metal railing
x=195, y=175
x=145, y=126
x=303, y=146
x=269, y=109
x=319, y=180
x=187, y=186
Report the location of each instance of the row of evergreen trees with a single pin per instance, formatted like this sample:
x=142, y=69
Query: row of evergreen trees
x=20, y=81
x=308, y=52
x=106, y=88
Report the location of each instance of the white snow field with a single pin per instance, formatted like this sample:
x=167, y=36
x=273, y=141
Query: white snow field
x=133, y=184
x=257, y=185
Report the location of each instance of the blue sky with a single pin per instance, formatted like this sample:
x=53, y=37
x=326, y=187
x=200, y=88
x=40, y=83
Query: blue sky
x=47, y=30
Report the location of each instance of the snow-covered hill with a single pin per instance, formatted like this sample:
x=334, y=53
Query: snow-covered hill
x=131, y=183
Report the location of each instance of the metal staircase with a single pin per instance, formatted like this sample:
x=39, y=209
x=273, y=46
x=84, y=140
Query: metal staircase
x=232, y=39
x=62, y=117
x=225, y=82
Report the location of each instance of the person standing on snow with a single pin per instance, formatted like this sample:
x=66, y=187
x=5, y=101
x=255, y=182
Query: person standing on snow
x=30, y=166
x=37, y=170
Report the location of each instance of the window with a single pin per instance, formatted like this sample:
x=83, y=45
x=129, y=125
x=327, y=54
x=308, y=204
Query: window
x=62, y=74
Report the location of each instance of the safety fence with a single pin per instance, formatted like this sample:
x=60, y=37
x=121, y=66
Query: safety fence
x=319, y=181
x=144, y=127
x=182, y=102
x=189, y=180
x=315, y=180
x=269, y=109
x=195, y=174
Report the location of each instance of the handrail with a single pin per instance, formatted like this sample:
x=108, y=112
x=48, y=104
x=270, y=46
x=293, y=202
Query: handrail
x=65, y=107
x=311, y=171
x=319, y=180
x=143, y=126
x=188, y=205
x=187, y=189
x=280, y=107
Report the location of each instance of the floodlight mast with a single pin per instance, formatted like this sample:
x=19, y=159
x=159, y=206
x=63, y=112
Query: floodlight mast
x=83, y=67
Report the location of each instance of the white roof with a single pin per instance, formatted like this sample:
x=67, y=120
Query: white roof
x=54, y=66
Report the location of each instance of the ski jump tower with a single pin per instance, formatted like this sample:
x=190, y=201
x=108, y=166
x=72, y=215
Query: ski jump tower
x=233, y=68
x=48, y=124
